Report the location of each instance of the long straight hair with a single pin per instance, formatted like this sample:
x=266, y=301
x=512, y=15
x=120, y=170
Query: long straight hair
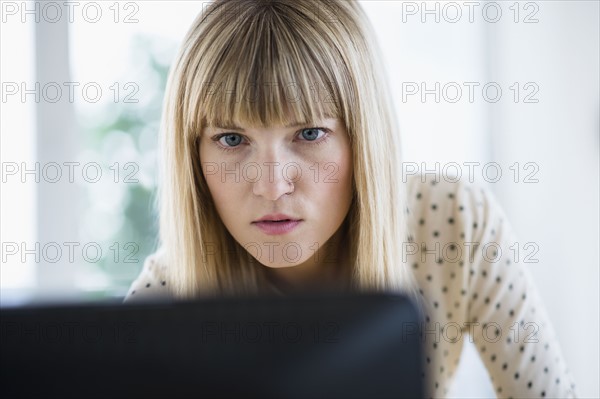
x=264, y=63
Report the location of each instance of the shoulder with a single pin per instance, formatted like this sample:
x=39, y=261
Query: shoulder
x=455, y=229
x=441, y=217
x=443, y=189
x=152, y=282
x=457, y=206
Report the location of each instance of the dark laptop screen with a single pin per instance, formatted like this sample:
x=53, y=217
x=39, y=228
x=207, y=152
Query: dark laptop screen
x=353, y=346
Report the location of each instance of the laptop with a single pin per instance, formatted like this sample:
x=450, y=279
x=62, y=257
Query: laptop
x=301, y=346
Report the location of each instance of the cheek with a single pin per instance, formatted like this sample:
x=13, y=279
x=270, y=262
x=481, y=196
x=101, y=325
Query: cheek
x=227, y=202
x=335, y=174
x=224, y=192
x=221, y=191
x=215, y=186
x=219, y=188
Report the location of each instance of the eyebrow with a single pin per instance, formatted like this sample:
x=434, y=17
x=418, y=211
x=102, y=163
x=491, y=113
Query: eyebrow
x=232, y=126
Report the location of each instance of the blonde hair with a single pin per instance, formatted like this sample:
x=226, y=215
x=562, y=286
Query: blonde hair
x=238, y=64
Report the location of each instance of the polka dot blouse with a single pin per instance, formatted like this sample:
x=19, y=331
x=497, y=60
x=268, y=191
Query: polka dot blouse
x=473, y=277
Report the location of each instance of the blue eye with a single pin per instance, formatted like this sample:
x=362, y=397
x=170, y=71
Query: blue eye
x=233, y=140
x=313, y=133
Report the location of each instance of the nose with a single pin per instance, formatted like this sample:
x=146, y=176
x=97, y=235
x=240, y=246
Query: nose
x=277, y=178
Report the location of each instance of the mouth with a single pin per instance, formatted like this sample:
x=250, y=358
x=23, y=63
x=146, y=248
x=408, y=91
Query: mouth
x=277, y=227
x=276, y=218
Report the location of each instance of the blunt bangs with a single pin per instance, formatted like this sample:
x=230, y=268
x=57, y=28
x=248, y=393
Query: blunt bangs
x=274, y=69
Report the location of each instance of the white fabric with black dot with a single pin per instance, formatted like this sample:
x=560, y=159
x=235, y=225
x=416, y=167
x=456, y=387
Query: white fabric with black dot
x=465, y=288
x=151, y=283
x=462, y=282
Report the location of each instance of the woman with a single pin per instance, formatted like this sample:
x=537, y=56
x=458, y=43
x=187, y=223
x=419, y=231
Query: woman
x=280, y=172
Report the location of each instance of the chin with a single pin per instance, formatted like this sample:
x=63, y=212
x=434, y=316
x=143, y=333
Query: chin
x=279, y=265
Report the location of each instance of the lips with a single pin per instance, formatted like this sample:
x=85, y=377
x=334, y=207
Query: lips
x=277, y=227
x=277, y=217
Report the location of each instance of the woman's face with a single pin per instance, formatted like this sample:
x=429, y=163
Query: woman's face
x=250, y=171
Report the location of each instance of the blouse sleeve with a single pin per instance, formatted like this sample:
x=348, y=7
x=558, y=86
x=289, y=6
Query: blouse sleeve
x=507, y=320
x=151, y=284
